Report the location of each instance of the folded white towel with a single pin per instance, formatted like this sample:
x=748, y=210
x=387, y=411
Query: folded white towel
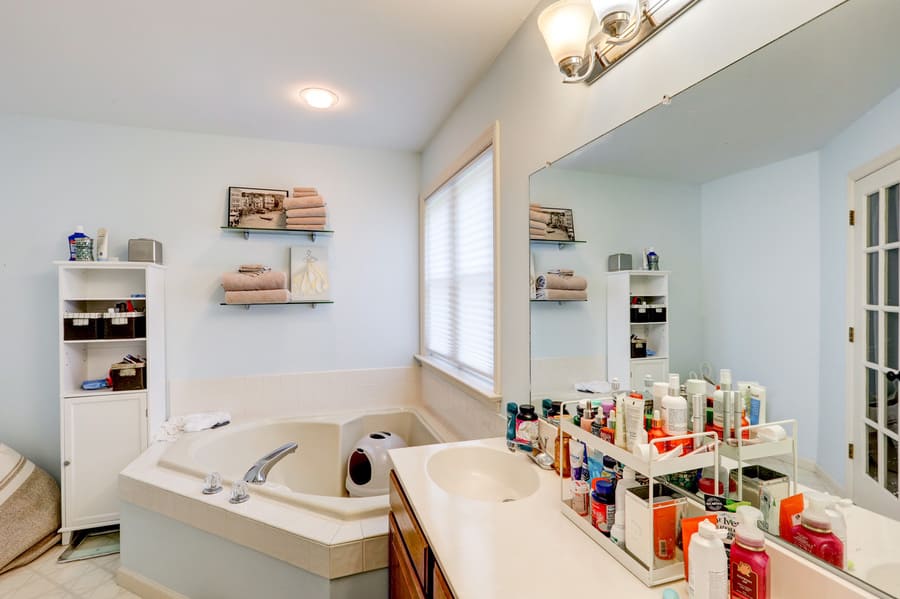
x=191, y=424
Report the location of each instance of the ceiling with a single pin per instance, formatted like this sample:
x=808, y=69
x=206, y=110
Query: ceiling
x=234, y=67
x=789, y=98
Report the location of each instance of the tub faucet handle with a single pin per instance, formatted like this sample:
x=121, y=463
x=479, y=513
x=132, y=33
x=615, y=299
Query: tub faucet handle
x=212, y=484
x=239, y=492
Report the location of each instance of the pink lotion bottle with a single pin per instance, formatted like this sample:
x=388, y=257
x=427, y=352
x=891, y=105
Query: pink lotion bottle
x=813, y=535
x=749, y=565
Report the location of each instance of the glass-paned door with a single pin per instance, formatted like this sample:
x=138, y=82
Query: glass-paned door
x=876, y=356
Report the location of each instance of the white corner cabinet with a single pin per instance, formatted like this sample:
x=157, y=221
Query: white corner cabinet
x=102, y=431
x=651, y=286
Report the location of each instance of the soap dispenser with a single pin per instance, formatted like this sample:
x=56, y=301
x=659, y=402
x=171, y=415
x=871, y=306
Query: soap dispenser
x=750, y=573
x=814, y=536
x=708, y=564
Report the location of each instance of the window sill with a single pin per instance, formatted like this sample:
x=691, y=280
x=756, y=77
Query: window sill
x=467, y=383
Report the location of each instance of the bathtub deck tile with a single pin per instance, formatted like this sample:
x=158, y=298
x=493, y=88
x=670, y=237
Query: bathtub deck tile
x=375, y=553
x=374, y=527
x=346, y=559
x=347, y=533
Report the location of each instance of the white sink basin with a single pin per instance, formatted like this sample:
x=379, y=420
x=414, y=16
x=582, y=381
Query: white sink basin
x=483, y=474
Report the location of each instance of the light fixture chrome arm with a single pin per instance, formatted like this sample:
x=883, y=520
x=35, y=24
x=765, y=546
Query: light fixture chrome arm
x=575, y=69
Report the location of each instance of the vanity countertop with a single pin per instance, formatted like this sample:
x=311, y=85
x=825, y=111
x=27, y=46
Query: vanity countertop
x=489, y=550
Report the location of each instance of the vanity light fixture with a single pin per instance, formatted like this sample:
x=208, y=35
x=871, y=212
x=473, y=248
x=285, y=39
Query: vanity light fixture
x=319, y=98
x=623, y=25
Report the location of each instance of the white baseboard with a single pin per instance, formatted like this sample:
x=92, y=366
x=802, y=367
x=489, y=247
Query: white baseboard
x=144, y=587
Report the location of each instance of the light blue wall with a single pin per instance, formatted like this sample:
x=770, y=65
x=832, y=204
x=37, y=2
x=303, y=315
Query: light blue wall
x=873, y=134
x=172, y=186
x=619, y=214
x=760, y=280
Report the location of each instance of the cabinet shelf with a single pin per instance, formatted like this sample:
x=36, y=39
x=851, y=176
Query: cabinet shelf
x=246, y=231
x=310, y=303
x=104, y=341
x=98, y=393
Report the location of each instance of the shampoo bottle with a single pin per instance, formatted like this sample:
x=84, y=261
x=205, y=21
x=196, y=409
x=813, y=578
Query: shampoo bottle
x=617, y=532
x=708, y=565
x=511, y=410
x=749, y=566
x=674, y=415
x=619, y=397
x=73, y=242
x=719, y=401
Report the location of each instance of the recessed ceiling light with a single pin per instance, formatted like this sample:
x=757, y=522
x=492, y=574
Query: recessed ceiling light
x=319, y=98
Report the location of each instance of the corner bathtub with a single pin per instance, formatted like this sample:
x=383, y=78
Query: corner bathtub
x=313, y=477
x=300, y=527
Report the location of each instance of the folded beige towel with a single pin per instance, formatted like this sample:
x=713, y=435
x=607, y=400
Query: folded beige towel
x=561, y=294
x=551, y=281
x=299, y=191
x=537, y=215
x=307, y=220
x=238, y=281
x=541, y=230
x=537, y=235
x=305, y=227
x=304, y=202
x=301, y=212
x=535, y=206
x=536, y=224
x=262, y=296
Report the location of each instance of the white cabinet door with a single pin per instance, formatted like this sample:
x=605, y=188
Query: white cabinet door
x=102, y=436
x=658, y=368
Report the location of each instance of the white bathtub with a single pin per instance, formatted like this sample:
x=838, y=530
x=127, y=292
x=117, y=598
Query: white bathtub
x=301, y=516
x=313, y=477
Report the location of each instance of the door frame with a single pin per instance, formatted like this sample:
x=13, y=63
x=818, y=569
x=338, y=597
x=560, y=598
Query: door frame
x=853, y=278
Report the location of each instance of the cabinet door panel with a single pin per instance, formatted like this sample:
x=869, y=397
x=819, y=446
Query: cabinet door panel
x=403, y=582
x=102, y=436
x=658, y=369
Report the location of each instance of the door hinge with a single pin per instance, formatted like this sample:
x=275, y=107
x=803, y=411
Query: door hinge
x=852, y=217
x=850, y=450
x=851, y=334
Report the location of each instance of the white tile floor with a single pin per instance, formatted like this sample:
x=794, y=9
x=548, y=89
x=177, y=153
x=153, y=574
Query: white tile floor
x=44, y=578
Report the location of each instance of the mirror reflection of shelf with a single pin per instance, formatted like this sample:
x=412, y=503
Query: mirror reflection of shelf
x=560, y=243
x=310, y=303
x=312, y=233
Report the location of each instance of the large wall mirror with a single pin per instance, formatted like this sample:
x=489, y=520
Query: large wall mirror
x=742, y=186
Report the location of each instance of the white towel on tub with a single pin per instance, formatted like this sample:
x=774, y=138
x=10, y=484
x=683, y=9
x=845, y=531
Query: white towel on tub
x=191, y=424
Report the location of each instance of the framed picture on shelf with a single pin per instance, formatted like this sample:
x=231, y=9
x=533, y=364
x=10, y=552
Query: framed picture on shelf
x=256, y=208
x=562, y=224
x=309, y=273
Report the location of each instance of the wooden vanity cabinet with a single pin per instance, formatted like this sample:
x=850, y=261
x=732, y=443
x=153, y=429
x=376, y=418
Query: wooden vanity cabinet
x=413, y=571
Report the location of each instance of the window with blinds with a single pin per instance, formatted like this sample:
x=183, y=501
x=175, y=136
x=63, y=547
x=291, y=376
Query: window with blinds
x=458, y=270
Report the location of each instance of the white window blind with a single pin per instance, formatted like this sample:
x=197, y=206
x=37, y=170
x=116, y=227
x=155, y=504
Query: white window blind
x=459, y=269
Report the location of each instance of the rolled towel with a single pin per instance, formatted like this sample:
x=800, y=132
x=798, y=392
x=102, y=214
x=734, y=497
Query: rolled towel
x=237, y=281
x=537, y=215
x=261, y=296
x=253, y=268
x=301, y=212
x=307, y=220
x=551, y=281
x=306, y=227
x=299, y=191
x=561, y=294
x=566, y=272
x=305, y=202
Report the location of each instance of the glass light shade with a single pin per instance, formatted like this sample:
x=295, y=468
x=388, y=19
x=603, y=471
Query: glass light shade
x=602, y=8
x=565, y=26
